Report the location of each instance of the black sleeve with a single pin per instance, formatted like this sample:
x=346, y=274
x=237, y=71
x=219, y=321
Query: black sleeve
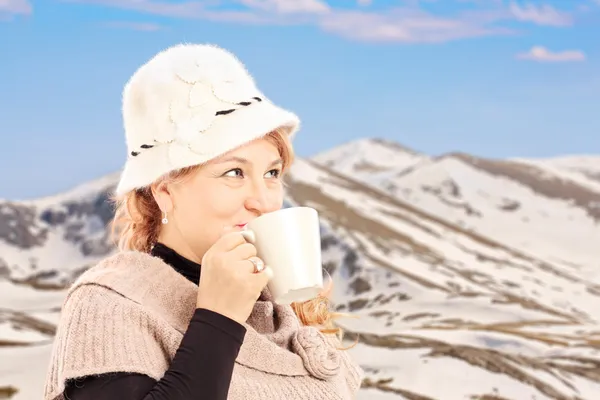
x=201, y=368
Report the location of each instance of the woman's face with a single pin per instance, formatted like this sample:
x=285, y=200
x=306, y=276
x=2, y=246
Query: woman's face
x=224, y=194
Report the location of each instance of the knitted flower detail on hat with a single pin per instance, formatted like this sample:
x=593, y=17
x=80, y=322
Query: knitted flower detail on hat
x=214, y=92
x=195, y=115
x=320, y=358
x=230, y=83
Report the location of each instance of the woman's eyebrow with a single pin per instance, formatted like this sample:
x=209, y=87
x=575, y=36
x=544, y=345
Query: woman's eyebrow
x=242, y=160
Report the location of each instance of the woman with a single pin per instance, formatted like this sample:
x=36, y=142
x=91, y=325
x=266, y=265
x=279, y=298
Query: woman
x=183, y=311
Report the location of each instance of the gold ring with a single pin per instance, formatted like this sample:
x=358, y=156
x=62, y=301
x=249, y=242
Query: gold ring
x=258, y=265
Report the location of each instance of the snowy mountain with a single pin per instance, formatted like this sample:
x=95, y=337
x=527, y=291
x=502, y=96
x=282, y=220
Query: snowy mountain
x=469, y=278
x=49, y=241
x=545, y=208
x=373, y=159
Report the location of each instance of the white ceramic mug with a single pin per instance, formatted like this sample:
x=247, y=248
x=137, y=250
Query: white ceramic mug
x=289, y=241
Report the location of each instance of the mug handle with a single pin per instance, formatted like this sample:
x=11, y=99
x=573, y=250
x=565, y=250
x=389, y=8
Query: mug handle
x=249, y=235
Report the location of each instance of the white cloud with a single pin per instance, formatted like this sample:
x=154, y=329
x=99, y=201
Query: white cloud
x=542, y=54
x=409, y=24
x=406, y=25
x=190, y=9
x=482, y=2
x=13, y=7
x=540, y=15
x=136, y=26
x=365, y=3
x=277, y=12
x=288, y=6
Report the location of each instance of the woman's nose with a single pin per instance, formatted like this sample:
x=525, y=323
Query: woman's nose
x=263, y=199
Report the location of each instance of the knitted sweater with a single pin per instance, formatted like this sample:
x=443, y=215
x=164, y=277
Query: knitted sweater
x=129, y=314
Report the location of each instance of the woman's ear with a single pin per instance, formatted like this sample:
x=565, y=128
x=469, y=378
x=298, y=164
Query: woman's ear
x=162, y=196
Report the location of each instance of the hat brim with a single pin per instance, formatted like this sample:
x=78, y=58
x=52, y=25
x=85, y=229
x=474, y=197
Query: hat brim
x=227, y=133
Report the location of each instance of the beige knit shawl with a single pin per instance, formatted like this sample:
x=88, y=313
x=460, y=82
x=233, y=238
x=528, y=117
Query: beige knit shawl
x=129, y=313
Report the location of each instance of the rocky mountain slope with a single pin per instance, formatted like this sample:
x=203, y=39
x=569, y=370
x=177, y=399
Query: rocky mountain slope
x=466, y=278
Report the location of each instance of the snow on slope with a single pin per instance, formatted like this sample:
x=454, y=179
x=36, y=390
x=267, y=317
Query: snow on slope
x=583, y=169
x=586, y=165
x=442, y=312
x=375, y=159
x=28, y=318
x=519, y=205
x=538, y=208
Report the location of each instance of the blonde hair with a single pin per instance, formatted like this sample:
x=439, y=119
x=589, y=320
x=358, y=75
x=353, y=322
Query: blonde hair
x=137, y=222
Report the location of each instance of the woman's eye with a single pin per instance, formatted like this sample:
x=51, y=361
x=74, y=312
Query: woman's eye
x=234, y=173
x=238, y=173
x=274, y=173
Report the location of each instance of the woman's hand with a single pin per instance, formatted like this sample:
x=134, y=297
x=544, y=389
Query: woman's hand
x=228, y=283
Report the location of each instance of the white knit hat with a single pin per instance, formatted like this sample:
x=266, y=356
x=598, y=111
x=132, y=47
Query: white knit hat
x=187, y=105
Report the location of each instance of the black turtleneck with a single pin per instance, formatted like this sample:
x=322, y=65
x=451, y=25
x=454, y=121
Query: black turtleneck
x=201, y=368
x=185, y=267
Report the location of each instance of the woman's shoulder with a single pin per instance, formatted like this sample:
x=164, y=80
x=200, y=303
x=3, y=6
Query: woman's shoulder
x=135, y=281
x=119, y=274
x=122, y=266
x=118, y=261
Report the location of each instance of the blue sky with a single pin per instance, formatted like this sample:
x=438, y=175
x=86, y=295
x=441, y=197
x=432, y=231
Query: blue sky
x=494, y=78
